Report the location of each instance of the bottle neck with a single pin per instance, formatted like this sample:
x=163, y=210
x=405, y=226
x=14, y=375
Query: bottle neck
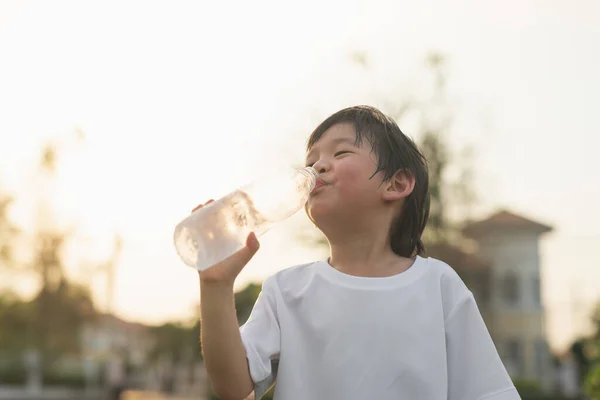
x=310, y=173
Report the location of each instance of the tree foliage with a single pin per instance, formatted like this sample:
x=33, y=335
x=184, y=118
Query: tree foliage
x=591, y=358
x=51, y=320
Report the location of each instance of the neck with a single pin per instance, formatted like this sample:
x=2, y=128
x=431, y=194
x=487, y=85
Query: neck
x=365, y=252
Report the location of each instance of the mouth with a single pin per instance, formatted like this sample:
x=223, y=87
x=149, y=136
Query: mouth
x=320, y=183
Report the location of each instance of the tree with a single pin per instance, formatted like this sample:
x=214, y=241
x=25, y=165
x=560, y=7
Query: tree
x=173, y=339
x=592, y=382
x=16, y=317
x=592, y=376
x=7, y=231
x=451, y=196
x=244, y=301
x=61, y=305
x=586, y=353
x=50, y=321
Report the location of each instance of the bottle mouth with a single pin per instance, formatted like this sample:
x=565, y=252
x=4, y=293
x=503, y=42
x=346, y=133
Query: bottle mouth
x=313, y=174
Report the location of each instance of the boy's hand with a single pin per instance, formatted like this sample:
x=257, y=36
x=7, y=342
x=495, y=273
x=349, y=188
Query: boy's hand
x=227, y=270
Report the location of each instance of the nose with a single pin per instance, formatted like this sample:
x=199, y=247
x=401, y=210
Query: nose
x=322, y=166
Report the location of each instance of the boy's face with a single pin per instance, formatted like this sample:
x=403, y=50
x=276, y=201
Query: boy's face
x=347, y=187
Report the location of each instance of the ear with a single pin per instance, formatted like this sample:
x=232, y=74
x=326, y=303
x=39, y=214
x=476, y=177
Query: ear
x=399, y=186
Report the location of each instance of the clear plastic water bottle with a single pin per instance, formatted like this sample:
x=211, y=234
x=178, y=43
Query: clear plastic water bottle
x=219, y=229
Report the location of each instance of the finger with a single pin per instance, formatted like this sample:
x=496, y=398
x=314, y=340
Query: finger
x=243, y=256
x=252, y=243
x=202, y=205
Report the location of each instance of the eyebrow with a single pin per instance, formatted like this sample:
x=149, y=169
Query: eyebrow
x=335, y=142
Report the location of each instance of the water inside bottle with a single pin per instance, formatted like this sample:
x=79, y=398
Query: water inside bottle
x=225, y=226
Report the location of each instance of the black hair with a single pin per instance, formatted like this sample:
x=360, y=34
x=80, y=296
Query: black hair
x=395, y=151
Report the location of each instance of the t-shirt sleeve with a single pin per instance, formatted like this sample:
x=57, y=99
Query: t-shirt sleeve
x=475, y=370
x=261, y=338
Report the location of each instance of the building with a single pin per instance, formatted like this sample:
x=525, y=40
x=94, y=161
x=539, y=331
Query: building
x=109, y=345
x=503, y=272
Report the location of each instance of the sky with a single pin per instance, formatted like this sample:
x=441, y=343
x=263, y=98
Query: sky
x=184, y=101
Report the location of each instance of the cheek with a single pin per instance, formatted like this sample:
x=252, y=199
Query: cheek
x=352, y=177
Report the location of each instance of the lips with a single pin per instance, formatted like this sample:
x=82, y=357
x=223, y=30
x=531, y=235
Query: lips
x=320, y=183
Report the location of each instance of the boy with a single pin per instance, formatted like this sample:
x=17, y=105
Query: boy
x=373, y=321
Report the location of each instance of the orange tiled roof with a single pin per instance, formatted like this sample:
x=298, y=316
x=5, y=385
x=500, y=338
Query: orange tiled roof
x=503, y=220
x=455, y=257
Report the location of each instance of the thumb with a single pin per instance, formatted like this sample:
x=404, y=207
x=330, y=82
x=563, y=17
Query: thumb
x=243, y=256
x=252, y=243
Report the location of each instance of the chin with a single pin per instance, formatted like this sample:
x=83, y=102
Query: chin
x=316, y=212
x=321, y=213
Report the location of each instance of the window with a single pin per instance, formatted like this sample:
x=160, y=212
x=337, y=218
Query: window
x=541, y=353
x=513, y=357
x=480, y=287
x=510, y=288
x=537, y=297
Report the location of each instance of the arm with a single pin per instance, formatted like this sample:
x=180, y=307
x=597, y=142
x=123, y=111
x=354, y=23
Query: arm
x=224, y=352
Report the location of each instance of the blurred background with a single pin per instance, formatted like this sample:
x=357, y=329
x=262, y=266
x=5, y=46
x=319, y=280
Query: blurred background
x=118, y=117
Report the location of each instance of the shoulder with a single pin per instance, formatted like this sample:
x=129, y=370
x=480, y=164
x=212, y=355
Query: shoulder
x=452, y=288
x=444, y=273
x=291, y=279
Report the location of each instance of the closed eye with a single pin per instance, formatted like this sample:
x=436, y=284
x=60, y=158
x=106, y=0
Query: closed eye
x=339, y=153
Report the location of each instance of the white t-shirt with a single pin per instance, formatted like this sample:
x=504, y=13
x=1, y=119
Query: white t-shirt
x=417, y=335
